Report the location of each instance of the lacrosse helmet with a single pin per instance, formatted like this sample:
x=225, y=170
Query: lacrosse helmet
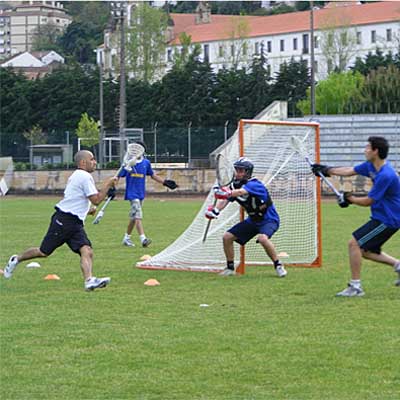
x=248, y=166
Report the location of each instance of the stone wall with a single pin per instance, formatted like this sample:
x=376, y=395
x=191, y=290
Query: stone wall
x=190, y=181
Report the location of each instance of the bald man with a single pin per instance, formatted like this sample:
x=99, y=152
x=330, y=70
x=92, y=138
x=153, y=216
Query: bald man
x=67, y=222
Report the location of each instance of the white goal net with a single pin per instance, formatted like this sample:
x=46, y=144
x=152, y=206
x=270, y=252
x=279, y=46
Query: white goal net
x=293, y=189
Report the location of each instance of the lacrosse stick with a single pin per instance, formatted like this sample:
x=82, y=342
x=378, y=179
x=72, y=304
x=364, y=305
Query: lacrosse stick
x=133, y=154
x=225, y=175
x=299, y=147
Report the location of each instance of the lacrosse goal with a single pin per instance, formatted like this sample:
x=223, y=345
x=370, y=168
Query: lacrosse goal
x=293, y=189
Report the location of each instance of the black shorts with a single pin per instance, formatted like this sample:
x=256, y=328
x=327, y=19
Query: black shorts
x=64, y=228
x=372, y=235
x=246, y=230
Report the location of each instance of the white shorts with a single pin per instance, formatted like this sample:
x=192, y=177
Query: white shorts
x=136, y=209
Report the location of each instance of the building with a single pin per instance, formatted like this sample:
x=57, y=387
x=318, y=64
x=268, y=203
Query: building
x=34, y=64
x=21, y=23
x=342, y=32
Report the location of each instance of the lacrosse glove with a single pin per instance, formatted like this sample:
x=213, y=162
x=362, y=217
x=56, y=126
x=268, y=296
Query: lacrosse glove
x=170, y=184
x=343, y=200
x=212, y=212
x=112, y=192
x=319, y=168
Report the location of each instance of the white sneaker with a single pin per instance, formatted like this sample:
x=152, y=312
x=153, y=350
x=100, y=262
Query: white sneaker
x=128, y=242
x=96, y=283
x=280, y=271
x=10, y=267
x=227, y=272
x=351, y=291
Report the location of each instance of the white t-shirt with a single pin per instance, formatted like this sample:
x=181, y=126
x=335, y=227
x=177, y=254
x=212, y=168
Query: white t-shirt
x=79, y=187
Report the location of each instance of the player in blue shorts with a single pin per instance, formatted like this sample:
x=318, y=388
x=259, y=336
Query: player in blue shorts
x=262, y=220
x=384, y=200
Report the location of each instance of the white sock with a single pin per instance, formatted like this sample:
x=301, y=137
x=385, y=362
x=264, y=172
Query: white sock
x=356, y=283
x=142, y=238
x=397, y=265
x=127, y=236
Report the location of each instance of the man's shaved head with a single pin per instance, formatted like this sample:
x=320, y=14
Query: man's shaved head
x=82, y=155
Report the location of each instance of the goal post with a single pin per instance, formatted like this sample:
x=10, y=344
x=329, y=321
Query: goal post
x=293, y=188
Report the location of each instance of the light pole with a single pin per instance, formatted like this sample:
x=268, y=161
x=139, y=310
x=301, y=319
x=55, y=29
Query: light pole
x=101, y=111
x=312, y=61
x=118, y=9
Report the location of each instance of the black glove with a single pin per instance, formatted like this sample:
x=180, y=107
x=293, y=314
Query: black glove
x=112, y=192
x=343, y=199
x=170, y=184
x=319, y=168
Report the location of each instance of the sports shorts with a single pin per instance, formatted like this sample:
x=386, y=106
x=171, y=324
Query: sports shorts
x=246, y=230
x=64, y=228
x=136, y=209
x=372, y=235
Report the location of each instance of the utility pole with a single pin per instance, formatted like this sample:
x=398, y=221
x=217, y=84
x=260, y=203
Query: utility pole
x=101, y=111
x=118, y=9
x=312, y=61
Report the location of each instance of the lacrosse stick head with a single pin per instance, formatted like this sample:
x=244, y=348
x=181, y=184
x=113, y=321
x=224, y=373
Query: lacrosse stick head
x=298, y=146
x=224, y=170
x=133, y=154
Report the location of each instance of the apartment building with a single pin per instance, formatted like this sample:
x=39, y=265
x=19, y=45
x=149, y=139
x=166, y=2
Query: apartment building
x=351, y=29
x=21, y=23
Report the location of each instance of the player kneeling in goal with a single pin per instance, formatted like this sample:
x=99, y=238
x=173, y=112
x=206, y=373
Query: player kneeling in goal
x=262, y=220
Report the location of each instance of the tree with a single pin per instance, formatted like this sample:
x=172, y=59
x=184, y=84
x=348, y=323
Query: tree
x=374, y=61
x=381, y=90
x=338, y=93
x=88, y=131
x=181, y=56
x=45, y=37
x=338, y=41
x=291, y=84
x=146, y=42
x=235, y=50
x=35, y=135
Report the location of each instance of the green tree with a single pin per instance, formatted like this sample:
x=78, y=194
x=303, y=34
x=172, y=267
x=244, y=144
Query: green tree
x=88, y=131
x=35, y=135
x=381, y=90
x=45, y=37
x=339, y=93
x=373, y=61
x=146, y=42
x=181, y=56
x=291, y=84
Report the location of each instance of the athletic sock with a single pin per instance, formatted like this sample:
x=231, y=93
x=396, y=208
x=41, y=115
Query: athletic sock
x=142, y=238
x=356, y=283
x=230, y=265
x=127, y=236
x=397, y=266
x=277, y=262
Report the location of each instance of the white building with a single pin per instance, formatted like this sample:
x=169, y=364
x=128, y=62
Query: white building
x=354, y=29
x=21, y=23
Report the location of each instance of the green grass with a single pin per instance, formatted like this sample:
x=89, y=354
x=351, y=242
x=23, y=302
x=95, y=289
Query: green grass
x=260, y=338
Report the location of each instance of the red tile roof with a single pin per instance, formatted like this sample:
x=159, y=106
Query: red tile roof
x=221, y=25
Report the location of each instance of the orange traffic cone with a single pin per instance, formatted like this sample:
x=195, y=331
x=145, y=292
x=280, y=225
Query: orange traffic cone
x=52, y=277
x=152, y=282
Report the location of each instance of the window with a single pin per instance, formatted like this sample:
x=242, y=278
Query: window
x=305, y=44
x=269, y=70
x=316, y=67
x=389, y=35
x=373, y=36
x=206, y=52
x=244, y=49
x=316, y=42
x=282, y=45
x=220, y=51
x=169, y=55
x=330, y=66
x=295, y=44
x=359, y=39
x=232, y=50
x=269, y=46
x=257, y=48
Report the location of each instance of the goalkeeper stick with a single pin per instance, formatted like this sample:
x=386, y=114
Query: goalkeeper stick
x=299, y=147
x=134, y=152
x=225, y=175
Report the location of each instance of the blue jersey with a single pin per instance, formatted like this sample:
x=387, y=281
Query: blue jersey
x=257, y=203
x=136, y=180
x=385, y=192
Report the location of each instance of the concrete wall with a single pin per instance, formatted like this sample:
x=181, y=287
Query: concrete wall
x=190, y=181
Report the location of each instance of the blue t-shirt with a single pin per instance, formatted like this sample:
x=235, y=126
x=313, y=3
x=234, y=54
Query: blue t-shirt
x=385, y=192
x=257, y=197
x=136, y=180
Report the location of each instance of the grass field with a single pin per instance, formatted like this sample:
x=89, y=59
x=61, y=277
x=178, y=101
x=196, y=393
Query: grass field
x=260, y=338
